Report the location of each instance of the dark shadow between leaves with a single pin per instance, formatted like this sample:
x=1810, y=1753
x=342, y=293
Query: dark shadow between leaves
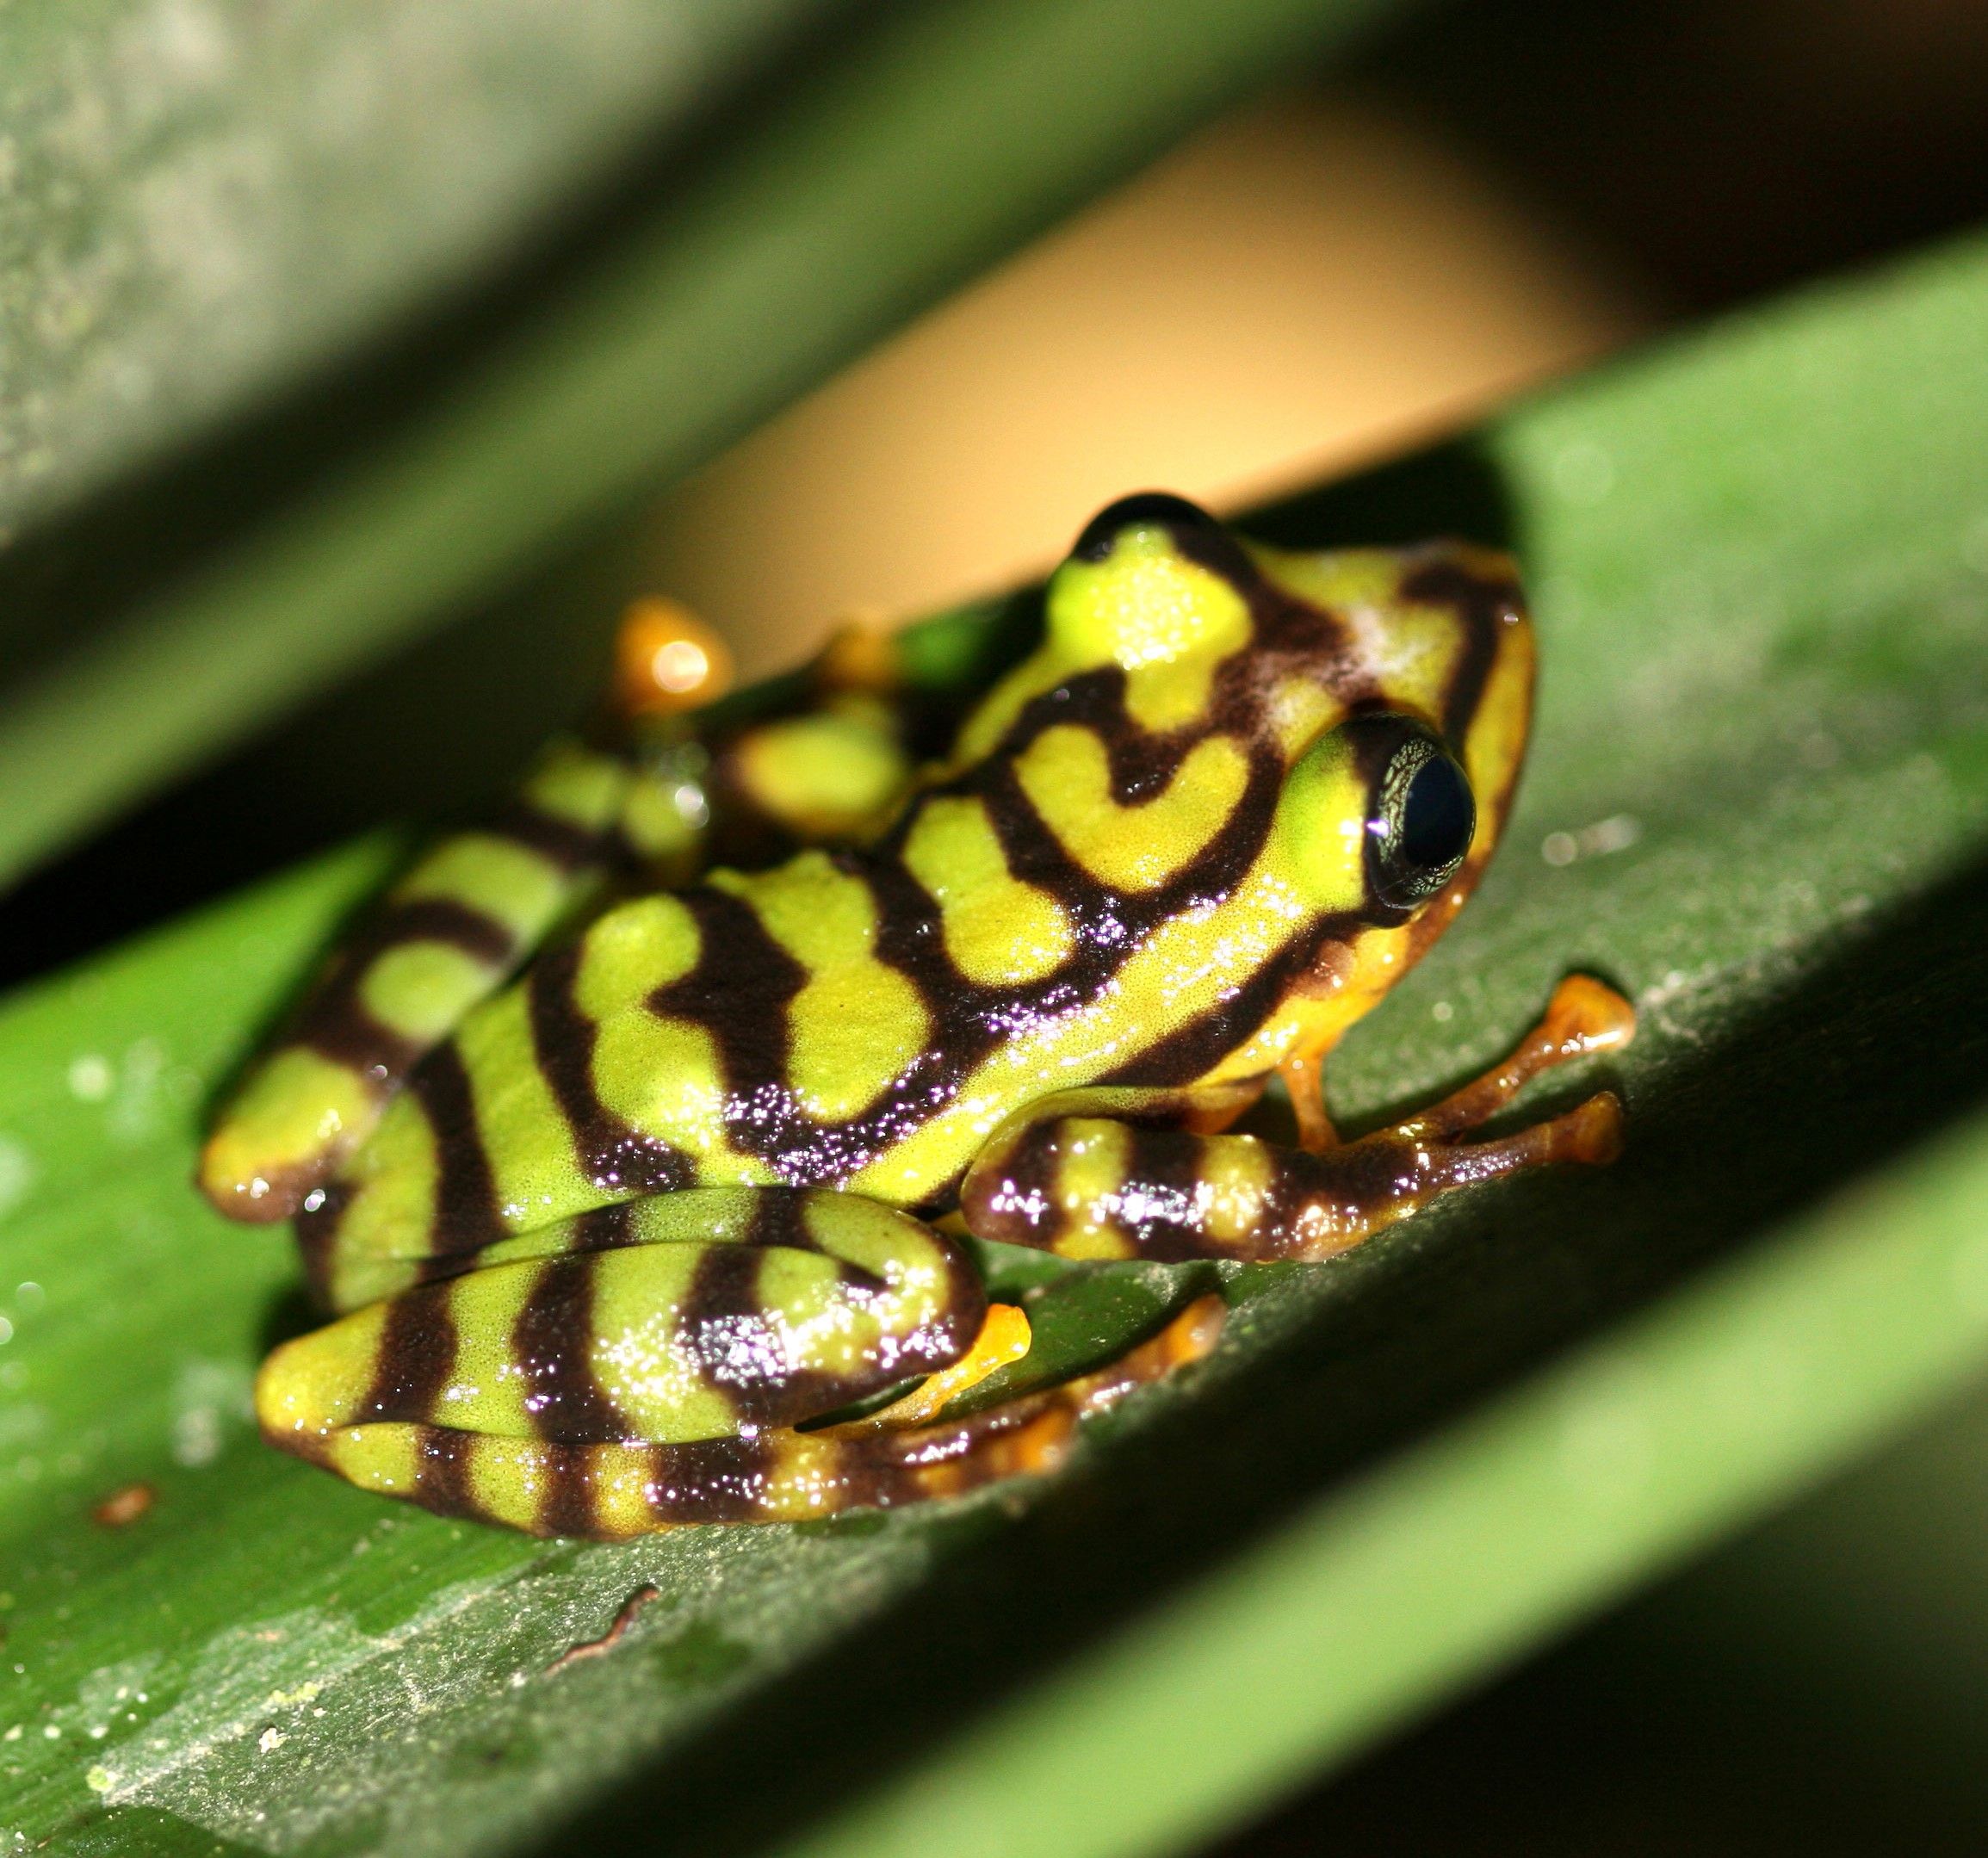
x=1881, y=1047
x=1451, y=491
x=291, y=1313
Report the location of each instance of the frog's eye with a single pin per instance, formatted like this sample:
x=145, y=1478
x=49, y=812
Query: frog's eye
x=1420, y=820
x=1153, y=509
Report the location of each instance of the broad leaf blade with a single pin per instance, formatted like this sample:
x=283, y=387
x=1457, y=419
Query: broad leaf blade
x=1760, y=571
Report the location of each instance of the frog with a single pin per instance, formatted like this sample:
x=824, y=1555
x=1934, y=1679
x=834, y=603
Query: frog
x=642, y=1236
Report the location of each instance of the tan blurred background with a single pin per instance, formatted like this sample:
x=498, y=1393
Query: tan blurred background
x=1316, y=281
x=1494, y=197
x=1500, y=193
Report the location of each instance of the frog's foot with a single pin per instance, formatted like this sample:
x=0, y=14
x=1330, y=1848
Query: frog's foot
x=666, y=660
x=1584, y=1017
x=1083, y=1176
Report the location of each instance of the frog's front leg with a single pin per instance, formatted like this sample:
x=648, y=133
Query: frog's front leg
x=1100, y=1173
x=446, y=936
x=648, y=1365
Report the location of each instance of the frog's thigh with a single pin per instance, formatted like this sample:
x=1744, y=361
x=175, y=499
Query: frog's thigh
x=540, y=1390
x=549, y=1488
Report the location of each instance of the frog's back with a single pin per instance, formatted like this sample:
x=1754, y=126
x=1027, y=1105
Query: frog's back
x=1093, y=888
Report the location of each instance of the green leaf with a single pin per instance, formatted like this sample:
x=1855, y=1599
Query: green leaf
x=911, y=149
x=1757, y=801
x=206, y=200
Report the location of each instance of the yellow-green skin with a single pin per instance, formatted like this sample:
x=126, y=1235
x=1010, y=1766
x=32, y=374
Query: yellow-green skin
x=664, y=1198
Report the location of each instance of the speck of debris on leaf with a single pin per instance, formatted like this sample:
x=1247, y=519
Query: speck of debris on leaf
x=593, y=1648
x=123, y=1508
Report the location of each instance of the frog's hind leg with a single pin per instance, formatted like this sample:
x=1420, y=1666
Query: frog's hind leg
x=1087, y=1175
x=618, y=1489
x=652, y=1364
x=633, y=805
x=685, y=1330
x=622, y=806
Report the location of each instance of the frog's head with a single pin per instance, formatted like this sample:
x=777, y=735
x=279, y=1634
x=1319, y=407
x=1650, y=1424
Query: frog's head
x=1376, y=702
x=1395, y=685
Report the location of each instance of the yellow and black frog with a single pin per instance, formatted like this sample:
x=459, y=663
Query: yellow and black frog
x=607, y=1238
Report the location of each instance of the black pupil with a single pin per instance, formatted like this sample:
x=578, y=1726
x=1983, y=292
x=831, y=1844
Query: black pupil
x=1438, y=817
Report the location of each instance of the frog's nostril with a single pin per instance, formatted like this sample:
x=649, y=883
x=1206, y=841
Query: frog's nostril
x=1155, y=507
